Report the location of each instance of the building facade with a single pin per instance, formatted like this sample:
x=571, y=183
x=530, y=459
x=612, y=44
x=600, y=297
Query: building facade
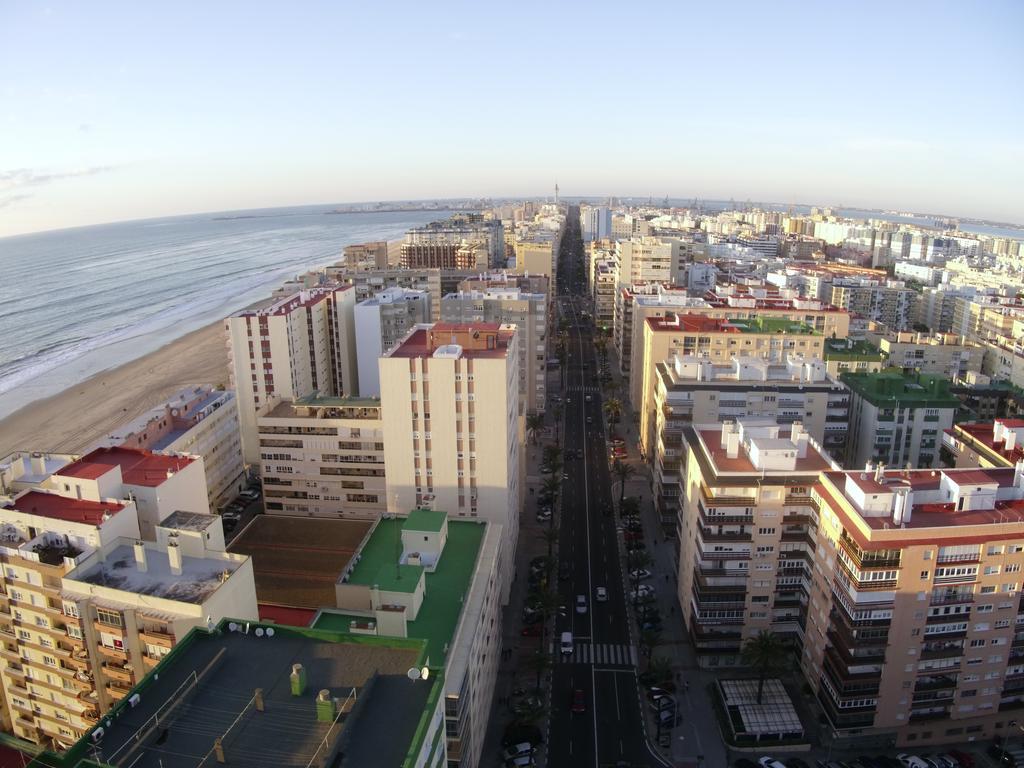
x=381, y=322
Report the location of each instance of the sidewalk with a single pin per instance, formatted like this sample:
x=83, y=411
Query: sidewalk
x=696, y=740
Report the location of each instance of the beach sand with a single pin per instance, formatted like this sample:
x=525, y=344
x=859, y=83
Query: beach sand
x=73, y=419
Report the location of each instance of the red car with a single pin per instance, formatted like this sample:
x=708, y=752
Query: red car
x=533, y=630
x=966, y=760
x=579, y=704
x=633, y=535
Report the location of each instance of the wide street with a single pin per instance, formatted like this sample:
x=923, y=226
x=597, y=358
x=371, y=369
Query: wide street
x=611, y=729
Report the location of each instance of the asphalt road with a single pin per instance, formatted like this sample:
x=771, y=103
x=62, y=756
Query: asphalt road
x=603, y=666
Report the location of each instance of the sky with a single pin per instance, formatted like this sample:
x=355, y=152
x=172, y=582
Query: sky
x=112, y=111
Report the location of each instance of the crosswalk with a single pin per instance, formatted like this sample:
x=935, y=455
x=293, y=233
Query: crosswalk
x=583, y=388
x=601, y=653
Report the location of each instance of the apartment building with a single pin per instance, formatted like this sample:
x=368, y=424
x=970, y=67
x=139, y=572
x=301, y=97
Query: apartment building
x=647, y=260
x=897, y=419
x=426, y=575
x=852, y=355
x=713, y=339
x=366, y=255
x=528, y=313
x=158, y=484
x=633, y=305
x=381, y=322
x=368, y=283
x=943, y=354
x=746, y=533
x=689, y=389
x=537, y=254
x=998, y=443
x=323, y=457
x=595, y=222
x=441, y=388
x=988, y=318
x=88, y=608
x=913, y=625
x=436, y=245
x=289, y=350
x=891, y=303
x=201, y=421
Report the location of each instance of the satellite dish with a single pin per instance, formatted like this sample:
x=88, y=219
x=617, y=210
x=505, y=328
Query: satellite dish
x=424, y=673
x=270, y=632
x=413, y=674
x=233, y=627
x=259, y=631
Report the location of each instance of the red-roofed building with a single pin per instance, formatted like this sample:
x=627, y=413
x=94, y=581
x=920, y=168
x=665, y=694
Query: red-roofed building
x=302, y=344
x=159, y=484
x=915, y=598
x=993, y=444
x=744, y=490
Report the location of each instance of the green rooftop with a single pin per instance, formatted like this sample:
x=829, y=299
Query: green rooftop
x=848, y=350
x=425, y=520
x=762, y=324
x=338, y=402
x=891, y=388
x=446, y=587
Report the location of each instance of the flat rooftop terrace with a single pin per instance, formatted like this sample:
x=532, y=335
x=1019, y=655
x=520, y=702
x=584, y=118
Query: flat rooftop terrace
x=199, y=578
x=445, y=588
x=298, y=560
x=213, y=678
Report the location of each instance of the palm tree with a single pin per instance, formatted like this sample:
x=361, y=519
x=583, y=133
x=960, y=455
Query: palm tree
x=529, y=714
x=623, y=472
x=765, y=652
x=550, y=536
x=648, y=639
x=550, y=487
x=552, y=457
x=660, y=669
x=540, y=662
x=613, y=407
x=557, y=413
x=547, y=604
x=637, y=559
x=630, y=507
x=534, y=424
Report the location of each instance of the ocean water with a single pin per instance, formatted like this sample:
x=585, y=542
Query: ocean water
x=78, y=301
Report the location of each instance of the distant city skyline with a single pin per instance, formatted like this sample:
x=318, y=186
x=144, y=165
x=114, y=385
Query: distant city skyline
x=143, y=112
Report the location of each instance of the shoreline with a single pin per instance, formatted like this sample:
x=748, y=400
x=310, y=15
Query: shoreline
x=74, y=418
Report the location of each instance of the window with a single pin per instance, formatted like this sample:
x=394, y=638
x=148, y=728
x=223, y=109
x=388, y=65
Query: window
x=925, y=574
x=110, y=618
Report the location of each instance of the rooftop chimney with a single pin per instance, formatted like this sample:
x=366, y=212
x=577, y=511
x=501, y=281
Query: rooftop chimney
x=800, y=438
x=879, y=472
x=140, y=556
x=174, y=557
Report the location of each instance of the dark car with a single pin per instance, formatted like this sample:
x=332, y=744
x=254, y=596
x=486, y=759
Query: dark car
x=965, y=759
x=579, y=702
x=795, y=762
x=532, y=630
x=744, y=763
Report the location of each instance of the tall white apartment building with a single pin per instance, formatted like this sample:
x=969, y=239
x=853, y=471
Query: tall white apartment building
x=510, y=306
x=454, y=435
x=381, y=322
x=289, y=350
x=201, y=421
x=323, y=457
x=595, y=222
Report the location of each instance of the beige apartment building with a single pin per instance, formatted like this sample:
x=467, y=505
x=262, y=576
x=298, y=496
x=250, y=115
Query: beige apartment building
x=368, y=283
x=200, y=420
x=988, y=318
x=323, y=457
x=87, y=608
x=943, y=354
x=537, y=255
x=443, y=387
x=712, y=339
x=913, y=629
x=999, y=443
x=297, y=346
x=366, y=255
x=528, y=313
x=746, y=533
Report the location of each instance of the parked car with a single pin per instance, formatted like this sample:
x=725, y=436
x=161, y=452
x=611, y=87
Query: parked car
x=744, y=763
x=771, y=762
x=532, y=630
x=641, y=574
x=646, y=590
x=796, y=762
x=965, y=759
x=579, y=702
x=522, y=748
x=911, y=761
x=250, y=494
x=601, y=594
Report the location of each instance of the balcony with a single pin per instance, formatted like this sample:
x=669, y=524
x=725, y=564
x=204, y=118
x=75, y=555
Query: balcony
x=935, y=683
x=868, y=559
x=116, y=692
x=928, y=713
x=941, y=650
x=157, y=637
x=108, y=628
x=951, y=597
x=121, y=674
x=113, y=653
x=706, y=534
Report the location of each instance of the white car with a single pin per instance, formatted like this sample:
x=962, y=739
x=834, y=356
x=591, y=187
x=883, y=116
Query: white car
x=911, y=761
x=641, y=574
x=771, y=762
x=517, y=750
x=644, y=590
x=581, y=603
x=602, y=594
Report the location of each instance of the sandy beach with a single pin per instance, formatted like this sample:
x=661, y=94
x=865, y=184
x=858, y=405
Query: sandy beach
x=71, y=420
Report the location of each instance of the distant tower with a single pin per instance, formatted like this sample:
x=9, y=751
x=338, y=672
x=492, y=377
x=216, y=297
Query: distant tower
x=556, y=193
